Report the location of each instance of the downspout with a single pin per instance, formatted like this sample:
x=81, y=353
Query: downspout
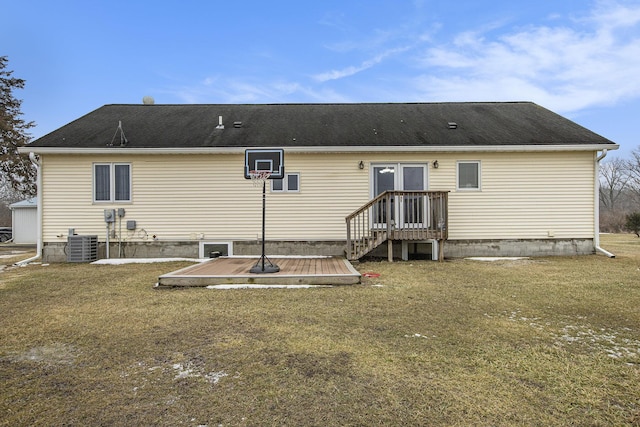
x=36, y=162
x=596, y=202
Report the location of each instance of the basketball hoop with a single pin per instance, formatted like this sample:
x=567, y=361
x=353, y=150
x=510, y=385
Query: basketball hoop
x=259, y=166
x=258, y=178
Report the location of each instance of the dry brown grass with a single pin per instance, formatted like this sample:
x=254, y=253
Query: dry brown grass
x=549, y=341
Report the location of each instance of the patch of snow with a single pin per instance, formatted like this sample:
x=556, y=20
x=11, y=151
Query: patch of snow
x=188, y=371
x=419, y=336
x=12, y=254
x=54, y=354
x=257, y=286
x=496, y=258
x=604, y=340
x=183, y=372
x=279, y=256
x=214, y=377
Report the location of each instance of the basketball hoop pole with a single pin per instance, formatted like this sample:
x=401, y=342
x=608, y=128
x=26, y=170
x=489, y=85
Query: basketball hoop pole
x=260, y=266
x=261, y=165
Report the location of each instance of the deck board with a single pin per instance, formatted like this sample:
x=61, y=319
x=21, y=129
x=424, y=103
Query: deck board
x=293, y=270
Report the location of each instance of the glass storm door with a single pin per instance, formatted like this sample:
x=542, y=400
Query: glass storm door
x=384, y=179
x=411, y=209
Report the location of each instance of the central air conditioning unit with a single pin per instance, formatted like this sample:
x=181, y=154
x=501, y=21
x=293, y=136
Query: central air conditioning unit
x=82, y=248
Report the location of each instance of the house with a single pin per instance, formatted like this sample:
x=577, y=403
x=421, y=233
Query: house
x=501, y=178
x=24, y=221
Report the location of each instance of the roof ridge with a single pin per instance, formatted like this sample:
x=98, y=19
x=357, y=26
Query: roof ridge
x=322, y=103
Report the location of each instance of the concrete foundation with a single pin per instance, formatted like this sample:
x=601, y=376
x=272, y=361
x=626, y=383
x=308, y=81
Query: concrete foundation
x=530, y=248
x=56, y=252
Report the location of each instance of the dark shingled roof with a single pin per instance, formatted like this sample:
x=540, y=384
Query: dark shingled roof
x=318, y=125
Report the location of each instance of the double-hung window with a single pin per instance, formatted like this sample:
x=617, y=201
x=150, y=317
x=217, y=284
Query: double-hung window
x=111, y=182
x=469, y=175
x=290, y=183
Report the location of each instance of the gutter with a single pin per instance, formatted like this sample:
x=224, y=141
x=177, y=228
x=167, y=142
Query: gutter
x=596, y=208
x=323, y=149
x=36, y=162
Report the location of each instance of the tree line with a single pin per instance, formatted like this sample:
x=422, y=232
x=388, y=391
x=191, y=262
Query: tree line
x=620, y=194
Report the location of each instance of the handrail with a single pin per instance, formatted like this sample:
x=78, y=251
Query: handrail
x=397, y=215
x=367, y=205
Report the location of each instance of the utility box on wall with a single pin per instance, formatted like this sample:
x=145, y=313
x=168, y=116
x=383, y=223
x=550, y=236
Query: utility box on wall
x=82, y=248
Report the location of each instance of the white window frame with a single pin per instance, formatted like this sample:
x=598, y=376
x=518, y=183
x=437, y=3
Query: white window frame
x=479, y=187
x=202, y=244
x=112, y=182
x=285, y=183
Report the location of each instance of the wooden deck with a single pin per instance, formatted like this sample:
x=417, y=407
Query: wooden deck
x=293, y=271
x=398, y=216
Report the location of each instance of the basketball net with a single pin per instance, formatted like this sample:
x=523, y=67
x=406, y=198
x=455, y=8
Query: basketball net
x=258, y=178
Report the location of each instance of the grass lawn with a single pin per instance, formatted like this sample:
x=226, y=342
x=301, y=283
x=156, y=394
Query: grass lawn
x=544, y=341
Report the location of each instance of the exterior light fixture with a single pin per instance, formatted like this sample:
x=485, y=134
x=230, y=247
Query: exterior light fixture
x=435, y=164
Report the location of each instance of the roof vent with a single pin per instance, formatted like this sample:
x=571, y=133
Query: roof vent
x=452, y=125
x=237, y=124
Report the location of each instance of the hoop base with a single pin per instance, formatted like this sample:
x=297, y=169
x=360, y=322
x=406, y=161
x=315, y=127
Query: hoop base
x=268, y=268
x=264, y=265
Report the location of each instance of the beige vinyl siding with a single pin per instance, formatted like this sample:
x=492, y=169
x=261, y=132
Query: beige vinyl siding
x=66, y=184
x=186, y=197
x=522, y=196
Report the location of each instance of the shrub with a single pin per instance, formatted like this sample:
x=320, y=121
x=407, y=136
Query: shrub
x=633, y=223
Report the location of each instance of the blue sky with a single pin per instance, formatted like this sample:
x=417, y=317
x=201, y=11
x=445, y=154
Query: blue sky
x=579, y=58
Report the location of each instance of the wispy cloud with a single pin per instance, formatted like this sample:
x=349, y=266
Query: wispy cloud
x=566, y=69
x=355, y=69
x=248, y=90
x=567, y=65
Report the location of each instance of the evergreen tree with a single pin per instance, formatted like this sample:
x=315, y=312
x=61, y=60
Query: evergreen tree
x=15, y=168
x=633, y=223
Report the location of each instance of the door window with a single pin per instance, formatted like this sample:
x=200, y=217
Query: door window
x=384, y=179
x=399, y=176
x=413, y=206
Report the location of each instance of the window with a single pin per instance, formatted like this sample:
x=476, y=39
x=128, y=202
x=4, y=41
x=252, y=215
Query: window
x=111, y=182
x=469, y=175
x=290, y=183
x=215, y=249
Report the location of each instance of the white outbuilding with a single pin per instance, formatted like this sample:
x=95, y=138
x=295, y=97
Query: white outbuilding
x=24, y=221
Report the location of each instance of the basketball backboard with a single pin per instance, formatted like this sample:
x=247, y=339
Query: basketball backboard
x=264, y=160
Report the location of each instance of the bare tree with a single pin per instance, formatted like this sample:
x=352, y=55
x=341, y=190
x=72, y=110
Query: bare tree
x=619, y=191
x=633, y=170
x=614, y=180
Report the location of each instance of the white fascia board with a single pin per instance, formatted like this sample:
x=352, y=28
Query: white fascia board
x=324, y=149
